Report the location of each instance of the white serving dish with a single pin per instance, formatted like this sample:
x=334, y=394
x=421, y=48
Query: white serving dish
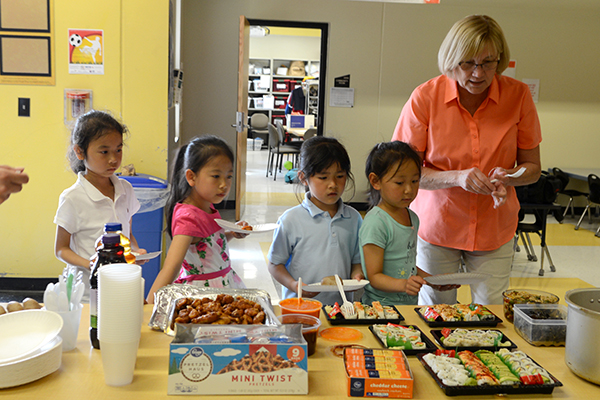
x=24, y=332
x=42, y=362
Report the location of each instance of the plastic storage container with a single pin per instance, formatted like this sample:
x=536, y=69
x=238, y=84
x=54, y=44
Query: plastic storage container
x=541, y=324
x=147, y=223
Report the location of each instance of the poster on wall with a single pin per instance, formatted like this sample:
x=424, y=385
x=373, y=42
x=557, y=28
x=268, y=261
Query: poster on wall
x=86, y=51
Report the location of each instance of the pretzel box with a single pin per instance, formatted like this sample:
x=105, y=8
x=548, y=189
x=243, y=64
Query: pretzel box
x=238, y=360
x=378, y=373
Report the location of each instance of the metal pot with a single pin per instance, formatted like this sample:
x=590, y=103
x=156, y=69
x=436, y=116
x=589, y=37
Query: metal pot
x=582, y=353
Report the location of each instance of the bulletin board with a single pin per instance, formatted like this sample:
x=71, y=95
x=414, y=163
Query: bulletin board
x=27, y=42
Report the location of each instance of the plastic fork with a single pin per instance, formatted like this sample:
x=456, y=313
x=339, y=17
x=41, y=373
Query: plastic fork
x=346, y=307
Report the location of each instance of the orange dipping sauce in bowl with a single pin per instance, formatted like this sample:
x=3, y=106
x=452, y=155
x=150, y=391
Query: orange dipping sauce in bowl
x=301, y=306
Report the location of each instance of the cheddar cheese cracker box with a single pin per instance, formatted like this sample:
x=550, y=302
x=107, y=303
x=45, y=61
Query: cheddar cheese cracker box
x=238, y=360
x=378, y=373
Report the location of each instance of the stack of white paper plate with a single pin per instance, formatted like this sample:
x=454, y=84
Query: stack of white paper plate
x=30, y=347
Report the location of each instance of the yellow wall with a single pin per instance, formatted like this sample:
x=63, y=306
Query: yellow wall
x=133, y=87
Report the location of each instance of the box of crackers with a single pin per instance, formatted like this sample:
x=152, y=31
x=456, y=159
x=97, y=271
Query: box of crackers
x=378, y=373
x=238, y=360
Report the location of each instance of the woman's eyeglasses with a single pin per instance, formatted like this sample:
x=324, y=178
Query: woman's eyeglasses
x=470, y=66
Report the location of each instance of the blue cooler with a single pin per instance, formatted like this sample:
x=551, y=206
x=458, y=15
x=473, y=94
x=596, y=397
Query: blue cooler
x=147, y=223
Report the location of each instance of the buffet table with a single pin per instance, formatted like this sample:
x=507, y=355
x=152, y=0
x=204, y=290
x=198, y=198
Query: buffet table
x=81, y=374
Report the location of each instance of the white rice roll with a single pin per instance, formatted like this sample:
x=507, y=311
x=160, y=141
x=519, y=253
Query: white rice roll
x=450, y=382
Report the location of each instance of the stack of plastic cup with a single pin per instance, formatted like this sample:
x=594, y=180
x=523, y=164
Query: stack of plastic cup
x=119, y=320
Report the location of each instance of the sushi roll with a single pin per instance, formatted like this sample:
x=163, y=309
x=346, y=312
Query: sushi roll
x=390, y=312
x=378, y=309
x=360, y=310
x=370, y=313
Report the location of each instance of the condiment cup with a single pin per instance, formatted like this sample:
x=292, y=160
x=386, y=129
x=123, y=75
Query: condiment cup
x=301, y=306
x=310, y=328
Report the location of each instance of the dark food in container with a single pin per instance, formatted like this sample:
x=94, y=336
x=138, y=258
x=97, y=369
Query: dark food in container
x=541, y=324
x=525, y=296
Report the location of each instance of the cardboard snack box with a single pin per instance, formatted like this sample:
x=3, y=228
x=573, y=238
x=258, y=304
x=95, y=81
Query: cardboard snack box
x=378, y=373
x=238, y=359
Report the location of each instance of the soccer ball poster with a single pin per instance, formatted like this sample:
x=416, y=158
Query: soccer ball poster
x=86, y=51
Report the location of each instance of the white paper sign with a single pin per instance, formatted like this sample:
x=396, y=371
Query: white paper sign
x=341, y=97
x=534, y=88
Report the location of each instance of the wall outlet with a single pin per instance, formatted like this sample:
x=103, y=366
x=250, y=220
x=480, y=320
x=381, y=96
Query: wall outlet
x=24, y=107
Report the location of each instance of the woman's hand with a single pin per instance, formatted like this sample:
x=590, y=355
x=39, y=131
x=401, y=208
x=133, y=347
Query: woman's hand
x=499, y=195
x=475, y=181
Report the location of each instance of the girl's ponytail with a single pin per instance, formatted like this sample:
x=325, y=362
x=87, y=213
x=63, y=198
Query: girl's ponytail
x=179, y=187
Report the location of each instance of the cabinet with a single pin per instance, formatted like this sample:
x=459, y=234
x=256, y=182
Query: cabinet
x=269, y=87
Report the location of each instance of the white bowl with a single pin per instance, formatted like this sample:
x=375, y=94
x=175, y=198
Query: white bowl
x=42, y=362
x=24, y=332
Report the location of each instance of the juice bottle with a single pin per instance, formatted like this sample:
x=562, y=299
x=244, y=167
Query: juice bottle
x=110, y=252
x=116, y=227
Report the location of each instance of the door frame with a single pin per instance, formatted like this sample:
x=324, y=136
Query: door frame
x=324, y=28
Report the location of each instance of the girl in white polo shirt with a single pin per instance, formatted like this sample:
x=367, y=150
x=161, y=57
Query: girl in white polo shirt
x=98, y=196
x=319, y=237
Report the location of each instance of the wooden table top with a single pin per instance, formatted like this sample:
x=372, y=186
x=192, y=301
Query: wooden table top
x=81, y=373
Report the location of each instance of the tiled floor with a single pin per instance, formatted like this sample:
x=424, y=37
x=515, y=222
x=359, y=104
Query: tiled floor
x=576, y=254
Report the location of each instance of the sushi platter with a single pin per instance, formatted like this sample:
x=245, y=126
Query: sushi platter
x=462, y=339
x=408, y=338
x=485, y=372
x=457, y=315
x=365, y=314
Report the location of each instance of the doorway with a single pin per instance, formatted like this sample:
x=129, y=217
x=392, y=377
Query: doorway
x=277, y=45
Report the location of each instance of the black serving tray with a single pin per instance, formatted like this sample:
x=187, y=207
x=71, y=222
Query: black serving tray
x=363, y=321
x=429, y=344
x=459, y=324
x=437, y=335
x=491, y=389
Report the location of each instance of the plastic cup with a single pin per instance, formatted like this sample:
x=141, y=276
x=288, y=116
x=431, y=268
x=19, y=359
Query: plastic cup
x=118, y=362
x=301, y=306
x=310, y=328
x=120, y=306
x=70, y=328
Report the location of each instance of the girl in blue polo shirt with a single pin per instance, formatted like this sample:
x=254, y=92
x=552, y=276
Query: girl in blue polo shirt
x=319, y=237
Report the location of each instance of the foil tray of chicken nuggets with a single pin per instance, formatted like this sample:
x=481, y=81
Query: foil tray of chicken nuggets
x=166, y=302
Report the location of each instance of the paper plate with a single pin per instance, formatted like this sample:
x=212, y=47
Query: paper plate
x=349, y=286
x=341, y=334
x=38, y=364
x=24, y=332
x=258, y=228
x=146, y=256
x=460, y=278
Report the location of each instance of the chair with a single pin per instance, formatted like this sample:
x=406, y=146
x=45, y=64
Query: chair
x=571, y=193
x=309, y=133
x=593, y=199
x=275, y=147
x=259, y=127
x=287, y=138
x=540, y=211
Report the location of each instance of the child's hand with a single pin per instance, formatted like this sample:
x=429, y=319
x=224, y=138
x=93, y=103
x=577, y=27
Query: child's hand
x=413, y=285
x=140, y=252
x=238, y=235
x=359, y=276
x=305, y=293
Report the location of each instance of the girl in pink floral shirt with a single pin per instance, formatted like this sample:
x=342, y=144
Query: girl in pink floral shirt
x=198, y=252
